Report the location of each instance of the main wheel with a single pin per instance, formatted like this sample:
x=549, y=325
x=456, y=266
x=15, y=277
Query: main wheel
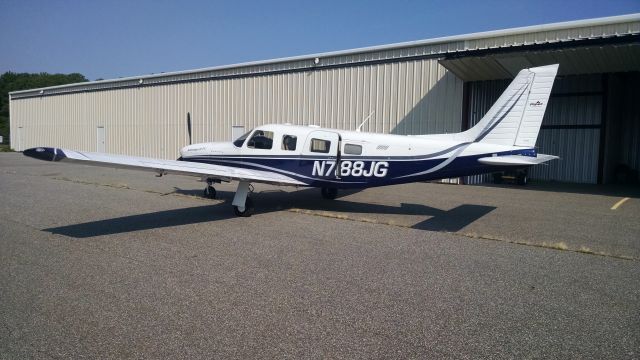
x=210, y=192
x=329, y=193
x=248, y=208
x=522, y=179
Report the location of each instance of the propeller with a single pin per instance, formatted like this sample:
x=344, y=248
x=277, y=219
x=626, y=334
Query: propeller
x=189, y=126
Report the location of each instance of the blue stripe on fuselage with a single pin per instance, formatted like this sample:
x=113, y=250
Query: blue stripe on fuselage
x=395, y=170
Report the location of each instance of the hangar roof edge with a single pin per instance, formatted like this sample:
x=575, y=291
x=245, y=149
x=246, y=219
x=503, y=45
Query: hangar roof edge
x=308, y=61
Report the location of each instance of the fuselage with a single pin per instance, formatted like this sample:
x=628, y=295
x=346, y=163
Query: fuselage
x=334, y=158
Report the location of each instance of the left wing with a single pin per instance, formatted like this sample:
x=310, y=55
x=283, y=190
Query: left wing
x=224, y=173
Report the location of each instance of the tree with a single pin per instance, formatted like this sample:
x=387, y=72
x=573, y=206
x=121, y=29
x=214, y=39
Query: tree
x=11, y=81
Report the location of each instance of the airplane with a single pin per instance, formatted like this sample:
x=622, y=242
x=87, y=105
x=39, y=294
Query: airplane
x=332, y=159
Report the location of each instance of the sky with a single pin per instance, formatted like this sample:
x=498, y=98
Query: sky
x=112, y=38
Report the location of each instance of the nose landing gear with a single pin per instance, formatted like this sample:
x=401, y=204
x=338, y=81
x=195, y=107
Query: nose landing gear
x=242, y=203
x=210, y=191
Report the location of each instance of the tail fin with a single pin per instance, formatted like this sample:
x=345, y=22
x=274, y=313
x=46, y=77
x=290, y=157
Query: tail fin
x=516, y=117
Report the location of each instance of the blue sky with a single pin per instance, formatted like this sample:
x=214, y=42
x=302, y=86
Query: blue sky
x=110, y=39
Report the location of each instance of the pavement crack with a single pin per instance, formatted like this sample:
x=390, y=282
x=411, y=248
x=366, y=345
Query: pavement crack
x=559, y=246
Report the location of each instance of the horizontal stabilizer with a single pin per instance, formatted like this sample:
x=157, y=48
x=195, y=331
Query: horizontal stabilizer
x=516, y=160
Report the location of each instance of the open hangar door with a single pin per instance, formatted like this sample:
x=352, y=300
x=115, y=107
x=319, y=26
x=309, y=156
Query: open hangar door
x=571, y=127
x=593, y=118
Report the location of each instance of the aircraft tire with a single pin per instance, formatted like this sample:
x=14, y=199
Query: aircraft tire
x=210, y=192
x=329, y=193
x=248, y=209
x=522, y=179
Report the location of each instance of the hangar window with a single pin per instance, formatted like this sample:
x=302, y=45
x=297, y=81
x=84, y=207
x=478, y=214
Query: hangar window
x=352, y=149
x=261, y=140
x=289, y=142
x=320, y=146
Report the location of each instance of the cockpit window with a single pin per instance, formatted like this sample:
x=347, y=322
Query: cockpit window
x=239, y=141
x=289, y=142
x=261, y=139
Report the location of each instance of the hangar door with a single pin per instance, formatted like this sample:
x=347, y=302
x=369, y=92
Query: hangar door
x=570, y=129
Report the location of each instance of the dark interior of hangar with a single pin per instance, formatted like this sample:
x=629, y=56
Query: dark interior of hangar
x=593, y=117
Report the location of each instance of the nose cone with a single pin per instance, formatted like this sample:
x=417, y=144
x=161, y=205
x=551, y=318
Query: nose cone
x=182, y=153
x=45, y=153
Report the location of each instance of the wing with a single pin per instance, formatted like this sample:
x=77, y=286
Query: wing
x=516, y=160
x=224, y=173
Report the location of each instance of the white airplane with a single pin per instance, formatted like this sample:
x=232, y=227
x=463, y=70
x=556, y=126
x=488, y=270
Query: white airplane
x=335, y=159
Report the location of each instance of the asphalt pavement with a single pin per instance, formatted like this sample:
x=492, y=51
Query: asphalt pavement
x=104, y=263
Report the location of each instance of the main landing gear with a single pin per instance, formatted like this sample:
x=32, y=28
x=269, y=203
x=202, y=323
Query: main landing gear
x=329, y=193
x=242, y=203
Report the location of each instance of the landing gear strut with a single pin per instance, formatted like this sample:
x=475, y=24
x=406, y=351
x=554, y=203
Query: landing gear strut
x=329, y=193
x=242, y=203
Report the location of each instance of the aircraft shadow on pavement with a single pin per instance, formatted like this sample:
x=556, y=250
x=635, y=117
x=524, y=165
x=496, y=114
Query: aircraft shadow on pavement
x=270, y=201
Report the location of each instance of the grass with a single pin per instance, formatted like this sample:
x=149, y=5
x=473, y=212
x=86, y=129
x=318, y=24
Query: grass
x=557, y=246
x=562, y=246
x=5, y=148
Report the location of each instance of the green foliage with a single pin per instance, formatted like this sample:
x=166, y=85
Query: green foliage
x=10, y=81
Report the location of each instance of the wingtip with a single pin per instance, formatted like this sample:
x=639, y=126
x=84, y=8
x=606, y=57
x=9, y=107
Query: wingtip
x=45, y=153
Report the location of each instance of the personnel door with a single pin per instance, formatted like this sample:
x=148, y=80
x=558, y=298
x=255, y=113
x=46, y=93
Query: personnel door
x=100, y=139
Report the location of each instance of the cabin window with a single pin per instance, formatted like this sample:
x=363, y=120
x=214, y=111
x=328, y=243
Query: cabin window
x=352, y=149
x=289, y=142
x=320, y=146
x=261, y=139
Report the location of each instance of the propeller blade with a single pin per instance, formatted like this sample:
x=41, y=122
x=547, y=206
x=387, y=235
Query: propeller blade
x=189, y=126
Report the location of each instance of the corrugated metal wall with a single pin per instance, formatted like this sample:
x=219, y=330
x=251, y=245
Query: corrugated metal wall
x=570, y=129
x=412, y=97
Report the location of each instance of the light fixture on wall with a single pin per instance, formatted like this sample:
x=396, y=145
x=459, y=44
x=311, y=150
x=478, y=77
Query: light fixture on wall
x=316, y=61
x=140, y=81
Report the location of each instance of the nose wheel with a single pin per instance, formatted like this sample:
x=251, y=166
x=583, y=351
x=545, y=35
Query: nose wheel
x=210, y=192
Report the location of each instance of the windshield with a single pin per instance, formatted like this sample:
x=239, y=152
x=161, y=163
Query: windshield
x=239, y=141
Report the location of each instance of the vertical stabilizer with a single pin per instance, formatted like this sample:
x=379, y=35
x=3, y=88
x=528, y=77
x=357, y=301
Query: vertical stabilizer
x=516, y=117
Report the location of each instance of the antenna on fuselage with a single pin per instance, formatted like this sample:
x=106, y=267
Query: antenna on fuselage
x=189, y=126
x=365, y=121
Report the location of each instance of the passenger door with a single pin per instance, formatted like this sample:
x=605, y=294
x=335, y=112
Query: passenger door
x=321, y=154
